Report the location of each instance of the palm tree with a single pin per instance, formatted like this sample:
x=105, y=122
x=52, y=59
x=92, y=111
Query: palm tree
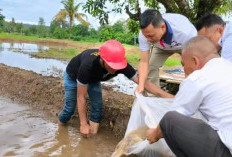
x=70, y=12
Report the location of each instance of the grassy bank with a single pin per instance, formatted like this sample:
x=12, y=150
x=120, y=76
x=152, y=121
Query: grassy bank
x=72, y=48
x=67, y=54
x=63, y=54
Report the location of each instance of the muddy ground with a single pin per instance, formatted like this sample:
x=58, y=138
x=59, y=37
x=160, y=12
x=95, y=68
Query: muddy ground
x=47, y=93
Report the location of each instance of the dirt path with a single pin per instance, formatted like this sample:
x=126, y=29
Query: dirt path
x=47, y=93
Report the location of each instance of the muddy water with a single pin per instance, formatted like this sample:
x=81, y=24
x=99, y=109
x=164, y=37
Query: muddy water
x=49, y=67
x=25, y=131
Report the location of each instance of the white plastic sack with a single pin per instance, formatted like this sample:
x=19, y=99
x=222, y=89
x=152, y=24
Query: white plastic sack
x=146, y=112
x=149, y=111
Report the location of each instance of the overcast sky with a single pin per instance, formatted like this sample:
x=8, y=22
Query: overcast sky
x=29, y=11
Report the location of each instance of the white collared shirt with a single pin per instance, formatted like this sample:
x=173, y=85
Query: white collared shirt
x=226, y=42
x=209, y=91
x=182, y=29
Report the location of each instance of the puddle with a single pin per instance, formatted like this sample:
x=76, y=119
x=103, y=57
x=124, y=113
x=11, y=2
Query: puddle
x=46, y=67
x=23, y=47
x=28, y=132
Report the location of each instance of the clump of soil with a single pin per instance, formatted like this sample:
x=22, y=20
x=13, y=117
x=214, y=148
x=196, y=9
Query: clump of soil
x=47, y=93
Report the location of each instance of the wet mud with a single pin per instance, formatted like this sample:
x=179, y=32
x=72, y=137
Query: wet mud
x=47, y=93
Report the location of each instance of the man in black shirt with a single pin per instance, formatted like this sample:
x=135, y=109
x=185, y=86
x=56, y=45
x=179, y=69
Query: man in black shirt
x=84, y=74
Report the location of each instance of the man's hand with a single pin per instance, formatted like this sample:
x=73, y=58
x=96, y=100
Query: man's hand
x=153, y=135
x=139, y=89
x=85, y=130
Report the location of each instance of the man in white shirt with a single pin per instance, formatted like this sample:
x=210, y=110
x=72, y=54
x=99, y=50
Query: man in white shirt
x=207, y=89
x=166, y=33
x=218, y=31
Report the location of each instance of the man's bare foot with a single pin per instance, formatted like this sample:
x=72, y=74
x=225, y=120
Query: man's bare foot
x=93, y=127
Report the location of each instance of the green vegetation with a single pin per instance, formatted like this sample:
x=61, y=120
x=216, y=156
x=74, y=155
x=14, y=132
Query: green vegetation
x=18, y=36
x=192, y=9
x=63, y=27
x=64, y=54
x=133, y=59
x=70, y=11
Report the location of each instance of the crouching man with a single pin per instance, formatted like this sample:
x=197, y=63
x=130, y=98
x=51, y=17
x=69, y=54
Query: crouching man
x=84, y=74
x=208, y=89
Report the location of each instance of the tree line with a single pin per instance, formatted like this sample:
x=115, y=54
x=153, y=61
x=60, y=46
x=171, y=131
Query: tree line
x=79, y=32
x=63, y=26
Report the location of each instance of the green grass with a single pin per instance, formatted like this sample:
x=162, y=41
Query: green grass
x=65, y=54
x=130, y=46
x=133, y=59
x=172, y=62
x=18, y=36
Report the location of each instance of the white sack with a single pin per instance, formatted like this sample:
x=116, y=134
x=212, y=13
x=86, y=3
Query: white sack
x=148, y=111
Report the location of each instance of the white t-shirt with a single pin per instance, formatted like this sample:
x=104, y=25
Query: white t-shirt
x=209, y=91
x=226, y=42
x=179, y=31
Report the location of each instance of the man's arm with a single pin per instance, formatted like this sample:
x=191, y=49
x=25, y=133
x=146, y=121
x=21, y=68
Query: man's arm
x=143, y=70
x=154, y=89
x=153, y=135
x=81, y=102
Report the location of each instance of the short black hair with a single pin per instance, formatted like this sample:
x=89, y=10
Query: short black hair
x=208, y=20
x=150, y=16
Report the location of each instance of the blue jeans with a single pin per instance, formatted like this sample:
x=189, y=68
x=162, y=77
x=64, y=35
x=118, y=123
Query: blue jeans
x=95, y=95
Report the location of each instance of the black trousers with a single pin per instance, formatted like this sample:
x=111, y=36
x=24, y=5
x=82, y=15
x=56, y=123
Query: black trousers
x=190, y=137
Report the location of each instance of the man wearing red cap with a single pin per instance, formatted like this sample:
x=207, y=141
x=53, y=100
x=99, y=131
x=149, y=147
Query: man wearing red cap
x=84, y=74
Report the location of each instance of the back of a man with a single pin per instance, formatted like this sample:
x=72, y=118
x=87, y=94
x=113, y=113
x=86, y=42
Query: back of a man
x=212, y=81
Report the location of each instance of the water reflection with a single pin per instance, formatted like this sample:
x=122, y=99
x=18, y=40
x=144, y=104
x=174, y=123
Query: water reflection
x=28, y=132
x=46, y=67
x=23, y=47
